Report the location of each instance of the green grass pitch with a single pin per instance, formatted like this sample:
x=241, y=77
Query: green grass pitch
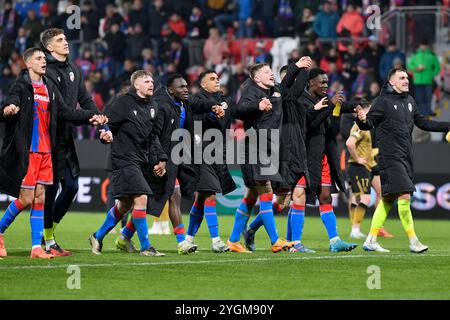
x=208, y=275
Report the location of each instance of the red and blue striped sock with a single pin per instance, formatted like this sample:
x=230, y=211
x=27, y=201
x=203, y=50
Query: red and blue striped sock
x=180, y=233
x=289, y=229
x=211, y=218
x=297, y=220
x=329, y=220
x=139, y=217
x=112, y=218
x=129, y=230
x=266, y=214
x=195, y=218
x=37, y=223
x=241, y=218
x=11, y=213
x=258, y=222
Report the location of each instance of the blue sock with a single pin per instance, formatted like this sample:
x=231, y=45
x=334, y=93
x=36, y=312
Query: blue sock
x=289, y=230
x=180, y=233
x=266, y=213
x=139, y=217
x=112, y=218
x=297, y=220
x=129, y=229
x=211, y=218
x=240, y=219
x=329, y=220
x=195, y=219
x=11, y=213
x=37, y=223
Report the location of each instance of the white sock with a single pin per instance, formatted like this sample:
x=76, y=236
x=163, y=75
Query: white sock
x=36, y=246
x=413, y=240
x=333, y=240
x=371, y=238
x=48, y=243
x=356, y=228
x=297, y=242
x=189, y=238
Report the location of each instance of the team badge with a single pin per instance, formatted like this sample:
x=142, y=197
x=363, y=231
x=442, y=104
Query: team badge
x=276, y=94
x=59, y=79
x=410, y=107
x=224, y=105
x=152, y=113
x=395, y=106
x=135, y=112
x=71, y=76
x=171, y=121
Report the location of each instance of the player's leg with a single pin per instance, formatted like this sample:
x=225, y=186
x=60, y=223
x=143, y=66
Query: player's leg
x=139, y=216
x=69, y=189
x=329, y=220
x=376, y=184
x=184, y=247
x=37, y=224
x=404, y=211
x=378, y=220
x=113, y=216
x=25, y=199
x=50, y=196
x=212, y=221
x=360, y=178
x=296, y=221
x=240, y=221
x=195, y=216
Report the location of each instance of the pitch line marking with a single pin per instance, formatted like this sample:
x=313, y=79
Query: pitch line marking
x=144, y=264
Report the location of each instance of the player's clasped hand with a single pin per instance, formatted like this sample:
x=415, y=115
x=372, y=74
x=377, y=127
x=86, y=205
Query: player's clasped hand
x=106, y=136
x=160, y=169
x=98, y=119
x=218, y=110
x=323, y=103
x=10, y=110
x=337, y=98
x=265, y=105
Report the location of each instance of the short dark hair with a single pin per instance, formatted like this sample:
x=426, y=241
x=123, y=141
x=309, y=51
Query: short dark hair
x=284, y=68
x=49, y=34
x=29, y=53
x=204, y=74
x=256, y=67
x=172, y=77
x=313, y=73
x=394, y=71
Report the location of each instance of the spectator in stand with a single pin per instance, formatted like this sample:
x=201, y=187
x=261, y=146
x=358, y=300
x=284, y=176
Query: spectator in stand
x=285, y=24
x=387, y=60
x=351, y=25
x=159, y=15
x=86, y=63
x=33, y=24
x=262, y=54
x=116, y=42
x=215, y=49
x=177, y=25
x=103, y=64
x=138, y=15
x=136, y=42
x=6, y=80
x=23, y=41
x=373, y=53
x=333, y=73
x=424, y=65
x=197, y=25
x=293, y=56
x=178, y=57
x=361, y=85
x=9, y=21
x=312, y=51
x=227, y=17
x=89, y=22
x=305, y=27
x=148, y=58
x=128, y=68
x=374, y=91
x=245, y=21
x=111, y=17
x=352, y=56
x=235, y=81
x=264, y=12
x=326, y=22
x=332, y=56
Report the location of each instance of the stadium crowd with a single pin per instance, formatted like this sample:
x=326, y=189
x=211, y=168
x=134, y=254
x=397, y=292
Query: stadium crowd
x=165, y=37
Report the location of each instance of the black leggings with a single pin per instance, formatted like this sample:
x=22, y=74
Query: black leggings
x=57, y=207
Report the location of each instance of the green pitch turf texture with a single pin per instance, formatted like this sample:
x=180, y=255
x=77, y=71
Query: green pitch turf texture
x=208, y=275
